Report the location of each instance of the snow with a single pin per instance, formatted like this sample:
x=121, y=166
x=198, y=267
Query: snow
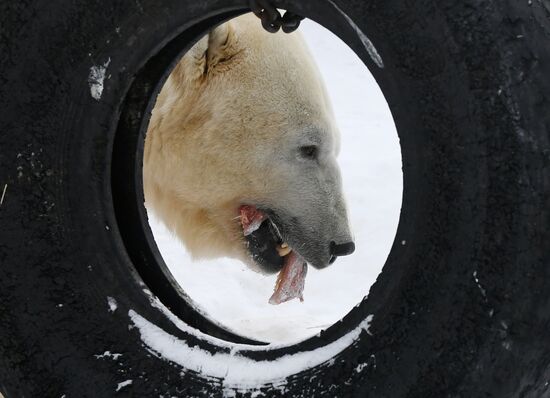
x=481, y=289
x=370, y=160
x=359, y=368
x=108, y=354
x=123, y=384
x=236, y=370
x=111, y=302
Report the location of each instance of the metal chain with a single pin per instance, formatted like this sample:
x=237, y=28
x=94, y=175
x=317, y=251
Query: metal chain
x=272, y=20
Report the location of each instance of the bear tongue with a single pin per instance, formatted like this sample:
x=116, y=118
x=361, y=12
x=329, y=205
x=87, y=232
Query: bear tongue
x=291, y=280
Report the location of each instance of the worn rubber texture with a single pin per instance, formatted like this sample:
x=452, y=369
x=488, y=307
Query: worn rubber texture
x=462, y=307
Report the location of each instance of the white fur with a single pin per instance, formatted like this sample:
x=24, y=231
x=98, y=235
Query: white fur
x=226, y=130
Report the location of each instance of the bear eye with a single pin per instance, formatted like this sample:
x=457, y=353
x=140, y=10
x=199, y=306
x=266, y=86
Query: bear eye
x=309, y=151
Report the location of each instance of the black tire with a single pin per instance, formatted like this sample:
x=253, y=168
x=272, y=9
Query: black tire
x=461, y=308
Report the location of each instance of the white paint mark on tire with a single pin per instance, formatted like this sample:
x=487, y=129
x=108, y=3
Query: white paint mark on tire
x=3, y=194
x=371, y=50
x=96, y=79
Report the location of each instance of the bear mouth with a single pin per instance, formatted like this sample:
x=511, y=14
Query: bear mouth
x=263, y=238
x=268, y=249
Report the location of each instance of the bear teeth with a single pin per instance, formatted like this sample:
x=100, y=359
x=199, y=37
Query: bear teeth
x=283, y=249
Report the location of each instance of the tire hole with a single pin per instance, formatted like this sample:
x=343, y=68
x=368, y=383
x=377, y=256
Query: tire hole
x=226, y=290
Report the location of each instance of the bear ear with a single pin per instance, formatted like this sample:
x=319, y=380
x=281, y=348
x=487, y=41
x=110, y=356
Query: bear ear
x=213, y=49
x=222, y=45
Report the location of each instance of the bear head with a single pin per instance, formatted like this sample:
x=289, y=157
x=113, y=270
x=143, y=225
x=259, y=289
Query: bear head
x=243, y=127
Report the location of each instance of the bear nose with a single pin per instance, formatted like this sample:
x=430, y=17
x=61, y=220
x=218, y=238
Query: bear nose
x=341, y=249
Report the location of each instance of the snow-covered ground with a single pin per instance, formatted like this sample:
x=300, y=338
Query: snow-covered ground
x=371, y=168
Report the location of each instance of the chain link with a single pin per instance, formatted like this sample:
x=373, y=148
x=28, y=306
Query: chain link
x=272, y=20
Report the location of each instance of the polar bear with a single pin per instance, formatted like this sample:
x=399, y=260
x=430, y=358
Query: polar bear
x=240, y=152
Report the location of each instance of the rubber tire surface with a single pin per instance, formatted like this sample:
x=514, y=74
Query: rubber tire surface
x=462, y=307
